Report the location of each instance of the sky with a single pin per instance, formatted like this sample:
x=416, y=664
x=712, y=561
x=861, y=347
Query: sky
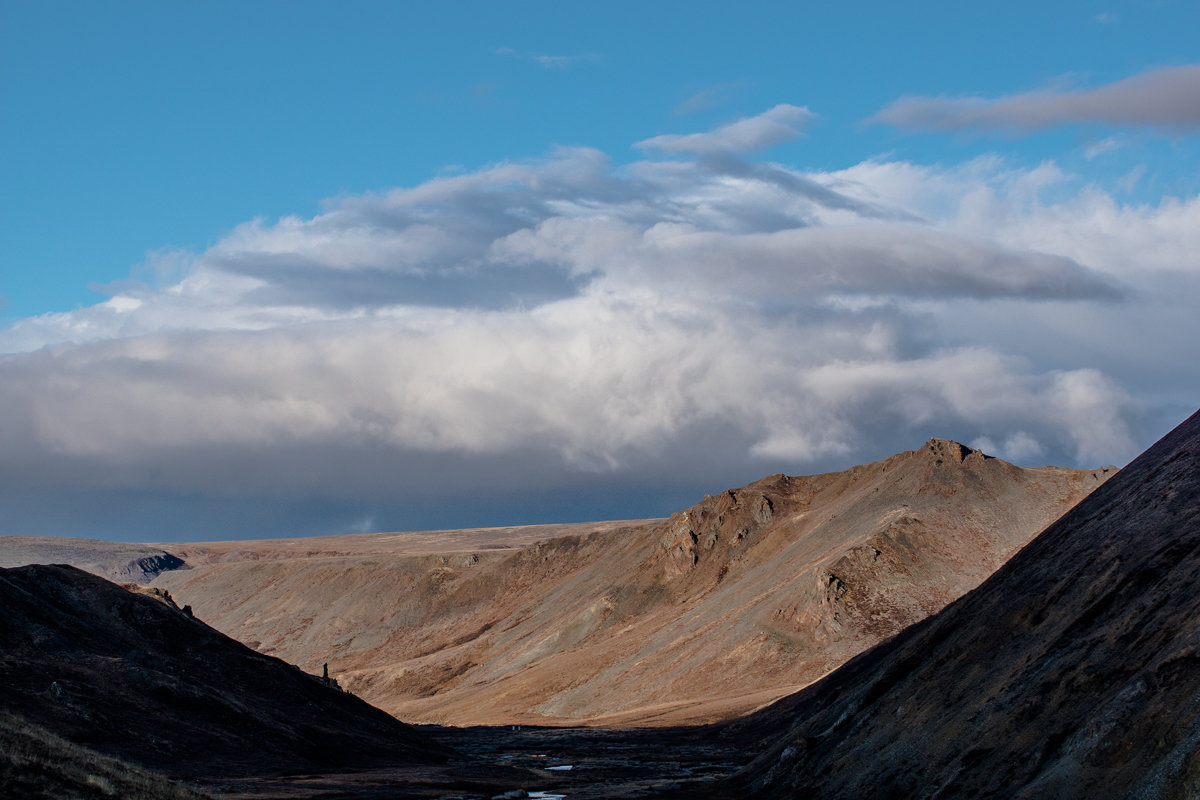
x=302, y=268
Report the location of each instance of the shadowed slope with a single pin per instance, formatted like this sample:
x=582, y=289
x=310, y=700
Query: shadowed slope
x=37, y=765
x=1074, y=672
x=131, y=675
x=769, y=586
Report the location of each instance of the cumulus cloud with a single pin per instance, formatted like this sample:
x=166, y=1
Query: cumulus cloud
x=1019, y=448
x=774, y=126
x=1167, y=98
x=570, y=331
x=800, y=263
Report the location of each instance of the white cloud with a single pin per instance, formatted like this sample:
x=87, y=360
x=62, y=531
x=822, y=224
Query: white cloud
x=1022, y=448
x=562, y=321
x=1166, y=98
x=1099, y=148
x=774, y=126
x=1019, y=448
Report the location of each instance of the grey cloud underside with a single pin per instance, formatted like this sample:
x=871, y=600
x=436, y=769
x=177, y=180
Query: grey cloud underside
x=291, y=281
x=1167, y=98
x=802, y=264
x=788, y=263
x=801, y=186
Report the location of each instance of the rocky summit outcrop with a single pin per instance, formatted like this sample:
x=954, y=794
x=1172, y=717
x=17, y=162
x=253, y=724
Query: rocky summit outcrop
x=1074, y=672
x=719, y=609
x=132, y=676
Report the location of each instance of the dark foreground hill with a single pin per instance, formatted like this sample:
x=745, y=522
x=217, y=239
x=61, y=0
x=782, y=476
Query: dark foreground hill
x=1074, y=672
x=37, y=765
x=132, y=676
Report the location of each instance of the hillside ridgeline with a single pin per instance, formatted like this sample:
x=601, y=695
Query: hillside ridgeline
x=739, y=600
x=131, y=675
x=1073, y=673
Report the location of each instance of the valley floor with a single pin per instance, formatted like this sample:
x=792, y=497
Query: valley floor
x=572, y=763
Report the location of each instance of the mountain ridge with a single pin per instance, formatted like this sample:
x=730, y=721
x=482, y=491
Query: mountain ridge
x=1073, y=672
x=777, y=582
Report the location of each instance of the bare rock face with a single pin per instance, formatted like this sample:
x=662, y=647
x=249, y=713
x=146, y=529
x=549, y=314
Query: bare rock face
x=719, y=609
x=1073, y=672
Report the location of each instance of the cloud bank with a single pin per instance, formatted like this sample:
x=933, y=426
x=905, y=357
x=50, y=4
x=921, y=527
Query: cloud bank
x=564, y=337
x=1167, y=98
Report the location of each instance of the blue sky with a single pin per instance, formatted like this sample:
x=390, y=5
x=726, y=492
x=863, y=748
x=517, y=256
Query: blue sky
x=216, y=214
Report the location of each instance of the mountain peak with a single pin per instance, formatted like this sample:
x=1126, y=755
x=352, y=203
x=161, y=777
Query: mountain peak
x=950, y=450
x=1072, y=672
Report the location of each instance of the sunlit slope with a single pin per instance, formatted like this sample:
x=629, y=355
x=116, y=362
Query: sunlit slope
x=712, y=612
